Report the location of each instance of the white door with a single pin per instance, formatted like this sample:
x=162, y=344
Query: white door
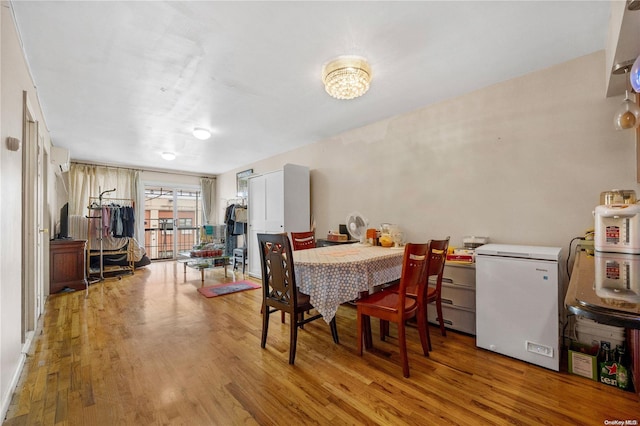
x=42, y=232
x=256, y=206
x=33, y=230
x=256, y=202
x=173, y=216
x=253, y=253
x=274, y=202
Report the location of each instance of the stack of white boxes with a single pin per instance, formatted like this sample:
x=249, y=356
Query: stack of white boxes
x=458, y=298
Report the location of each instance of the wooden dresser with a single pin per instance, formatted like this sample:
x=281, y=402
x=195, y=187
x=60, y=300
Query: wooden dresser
x=66, y=265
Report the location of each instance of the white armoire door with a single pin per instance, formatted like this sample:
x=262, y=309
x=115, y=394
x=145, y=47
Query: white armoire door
x=256, y=225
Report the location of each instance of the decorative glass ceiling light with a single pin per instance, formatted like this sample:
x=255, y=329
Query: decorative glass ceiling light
x=628, y=114
x=346, y=77
x=168, y=155
x=202, y=133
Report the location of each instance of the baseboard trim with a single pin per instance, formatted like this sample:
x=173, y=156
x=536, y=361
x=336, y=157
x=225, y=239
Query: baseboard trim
x=6, y=400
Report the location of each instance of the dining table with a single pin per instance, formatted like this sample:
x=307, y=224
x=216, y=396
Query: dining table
x=334, y=275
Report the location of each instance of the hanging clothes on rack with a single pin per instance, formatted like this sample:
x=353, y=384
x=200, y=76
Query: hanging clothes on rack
x=106, y=221
x=110, y=218
x=117, y=221
x=235, y=219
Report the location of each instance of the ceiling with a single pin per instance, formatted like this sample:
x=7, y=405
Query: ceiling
x=121, y=82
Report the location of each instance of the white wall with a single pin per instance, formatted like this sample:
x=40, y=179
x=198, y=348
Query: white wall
x=522, y=162
x=14, y=79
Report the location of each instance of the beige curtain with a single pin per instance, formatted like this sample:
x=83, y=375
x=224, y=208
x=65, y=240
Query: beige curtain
x=88, y=181
x=208, y=190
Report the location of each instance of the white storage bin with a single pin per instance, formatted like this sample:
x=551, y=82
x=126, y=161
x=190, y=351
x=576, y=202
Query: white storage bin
x=457, y=295
x=454, y=318
x=589, y=332
x=460, y=274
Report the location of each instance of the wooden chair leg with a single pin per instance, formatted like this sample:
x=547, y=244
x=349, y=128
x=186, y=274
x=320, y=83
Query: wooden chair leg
x=441, y=318
x=265, y=325
x=293, y=340
x=402, y=343
x=282, y=316
x=423, y=330
x=427, y=329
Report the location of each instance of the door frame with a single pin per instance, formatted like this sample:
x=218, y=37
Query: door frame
x=175, y=220
x=33, y=230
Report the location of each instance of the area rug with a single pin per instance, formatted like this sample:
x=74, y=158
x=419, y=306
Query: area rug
x=228, y=288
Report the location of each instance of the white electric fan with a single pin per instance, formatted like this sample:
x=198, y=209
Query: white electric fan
x=357, y=226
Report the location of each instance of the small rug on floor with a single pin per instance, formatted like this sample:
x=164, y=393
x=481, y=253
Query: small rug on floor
x=228, y=288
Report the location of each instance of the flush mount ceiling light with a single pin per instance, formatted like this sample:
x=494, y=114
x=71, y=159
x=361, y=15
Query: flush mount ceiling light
x=168, y=155
x=346, y=77
x=201, y=133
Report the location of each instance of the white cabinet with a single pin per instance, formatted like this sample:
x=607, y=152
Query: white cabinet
x=278, y=202
x=458, y=298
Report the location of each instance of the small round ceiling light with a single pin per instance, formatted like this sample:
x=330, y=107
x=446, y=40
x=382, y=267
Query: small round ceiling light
x=347, y=77
x=168, y=155
x=202, y=133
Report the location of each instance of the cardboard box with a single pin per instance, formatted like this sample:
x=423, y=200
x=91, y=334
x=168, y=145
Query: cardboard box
x=583, y=360
x=460, y=258
x=614, y=374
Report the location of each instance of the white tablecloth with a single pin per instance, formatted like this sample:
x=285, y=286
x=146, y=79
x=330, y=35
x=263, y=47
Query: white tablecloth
x=337, y=274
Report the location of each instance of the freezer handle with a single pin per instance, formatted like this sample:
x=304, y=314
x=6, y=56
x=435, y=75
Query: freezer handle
x=512, y=254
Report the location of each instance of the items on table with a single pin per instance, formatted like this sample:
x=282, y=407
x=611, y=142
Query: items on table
x=207, y=253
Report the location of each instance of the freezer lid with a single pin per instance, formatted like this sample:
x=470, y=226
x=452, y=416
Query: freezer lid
x=526, y=252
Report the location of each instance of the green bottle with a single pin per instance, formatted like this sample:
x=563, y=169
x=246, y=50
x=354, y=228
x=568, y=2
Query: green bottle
x=603, y=358
x=622, y=376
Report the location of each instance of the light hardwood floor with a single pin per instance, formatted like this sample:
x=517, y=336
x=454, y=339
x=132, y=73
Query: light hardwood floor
x=150, y=350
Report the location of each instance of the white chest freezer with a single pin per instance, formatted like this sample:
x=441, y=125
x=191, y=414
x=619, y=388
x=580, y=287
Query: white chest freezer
x=517, y=302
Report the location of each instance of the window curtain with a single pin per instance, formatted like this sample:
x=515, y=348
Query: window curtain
x=87, y=181
x=138, y=196
x=208, y=190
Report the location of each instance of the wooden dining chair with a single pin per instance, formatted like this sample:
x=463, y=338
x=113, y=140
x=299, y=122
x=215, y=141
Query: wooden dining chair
x=280, y=292
x=303, y=240
x=437, y=258
x=426, y=294
x=394, y=306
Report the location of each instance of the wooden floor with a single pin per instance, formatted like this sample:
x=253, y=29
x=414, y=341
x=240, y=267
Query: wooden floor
x=150, y=350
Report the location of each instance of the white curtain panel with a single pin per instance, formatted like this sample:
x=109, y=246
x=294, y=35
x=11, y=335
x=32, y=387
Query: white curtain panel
x=138, y=196
x=208, y=190
x=87, y=181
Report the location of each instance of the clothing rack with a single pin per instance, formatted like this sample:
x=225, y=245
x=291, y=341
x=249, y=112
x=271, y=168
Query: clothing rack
x=95, y=205
x=234, y=225
x=242, y=201
x=108, y=201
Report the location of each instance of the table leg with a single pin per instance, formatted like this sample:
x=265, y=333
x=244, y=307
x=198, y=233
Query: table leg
x=185, y=267
x=202, y=277
x=225, y=269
